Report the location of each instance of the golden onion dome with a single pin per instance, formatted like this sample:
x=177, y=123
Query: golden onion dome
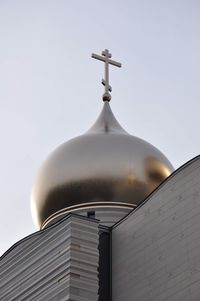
x=106, y=165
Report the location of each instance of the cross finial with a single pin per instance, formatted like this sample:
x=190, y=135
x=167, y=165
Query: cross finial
x=106, y=55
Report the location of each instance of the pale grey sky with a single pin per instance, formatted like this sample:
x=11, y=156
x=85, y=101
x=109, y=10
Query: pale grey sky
x=50, y=88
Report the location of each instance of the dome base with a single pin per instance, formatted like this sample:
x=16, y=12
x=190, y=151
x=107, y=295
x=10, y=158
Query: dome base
x=107, y=213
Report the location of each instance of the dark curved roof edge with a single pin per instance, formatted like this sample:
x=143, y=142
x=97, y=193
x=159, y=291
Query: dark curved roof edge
x=173, y=174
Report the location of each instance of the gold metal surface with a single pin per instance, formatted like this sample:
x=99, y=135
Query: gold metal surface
x=105, y=165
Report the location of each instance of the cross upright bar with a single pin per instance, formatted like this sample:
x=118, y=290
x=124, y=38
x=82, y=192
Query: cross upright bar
x=106, y=59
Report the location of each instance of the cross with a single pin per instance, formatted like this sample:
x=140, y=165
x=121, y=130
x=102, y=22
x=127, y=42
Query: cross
x=106, y=59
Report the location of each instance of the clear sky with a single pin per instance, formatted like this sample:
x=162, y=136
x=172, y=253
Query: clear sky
x=50, y=88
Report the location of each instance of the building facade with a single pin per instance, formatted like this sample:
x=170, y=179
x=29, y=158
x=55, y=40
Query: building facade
x=153, y=253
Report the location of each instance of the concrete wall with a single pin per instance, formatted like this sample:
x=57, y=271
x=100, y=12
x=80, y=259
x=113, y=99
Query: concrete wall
x=59, y=263
x=156, y=250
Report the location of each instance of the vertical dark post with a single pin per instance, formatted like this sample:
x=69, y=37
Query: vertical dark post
x=105, y=284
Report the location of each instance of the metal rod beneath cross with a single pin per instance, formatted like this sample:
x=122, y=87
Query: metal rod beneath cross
x=106, y=59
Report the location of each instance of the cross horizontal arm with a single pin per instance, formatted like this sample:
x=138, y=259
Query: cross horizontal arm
x=98, y=57
x=104, y=83
x=103, y=59
x=114, y=63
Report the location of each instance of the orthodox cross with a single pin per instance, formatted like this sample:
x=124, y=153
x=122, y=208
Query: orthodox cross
x=106, y=59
